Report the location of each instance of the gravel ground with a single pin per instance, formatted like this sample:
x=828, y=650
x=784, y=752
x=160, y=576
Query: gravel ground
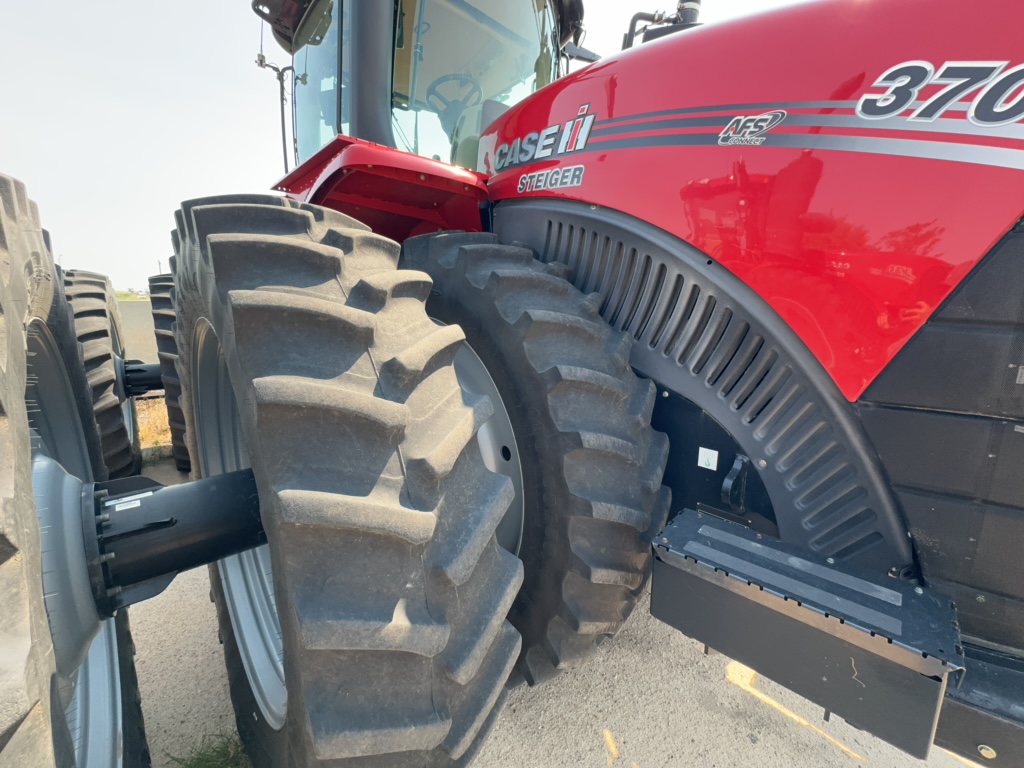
x=649, y=698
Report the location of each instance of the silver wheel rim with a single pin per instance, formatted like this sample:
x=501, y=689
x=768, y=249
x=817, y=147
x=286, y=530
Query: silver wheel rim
x=97, y=744
x=497, y=442
x=127, y=412
x=246, y=578
x=93, y=691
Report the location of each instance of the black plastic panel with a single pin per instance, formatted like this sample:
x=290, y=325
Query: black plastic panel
x=959, y=368
x=947, y=419
x=975, y=457
x=988, y=617
x=994, y=292
x=970, y=542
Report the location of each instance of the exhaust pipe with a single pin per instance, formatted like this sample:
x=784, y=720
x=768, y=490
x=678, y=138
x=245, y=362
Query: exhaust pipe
x=688, y=11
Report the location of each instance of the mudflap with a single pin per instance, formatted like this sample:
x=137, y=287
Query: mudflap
x=876, y=651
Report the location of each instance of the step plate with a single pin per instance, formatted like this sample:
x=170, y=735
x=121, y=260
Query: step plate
x=874, y=650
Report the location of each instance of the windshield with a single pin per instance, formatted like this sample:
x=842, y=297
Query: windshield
x=316, y=81
x=457, y=65
x=454, y=56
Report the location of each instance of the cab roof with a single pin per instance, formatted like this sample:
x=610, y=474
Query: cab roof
x=284, y=17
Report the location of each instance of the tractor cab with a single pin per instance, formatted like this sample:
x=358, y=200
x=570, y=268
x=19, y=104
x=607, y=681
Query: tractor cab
x=423, y=76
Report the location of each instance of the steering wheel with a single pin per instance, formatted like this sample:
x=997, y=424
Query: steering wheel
x=449, y=108
x=473, y=97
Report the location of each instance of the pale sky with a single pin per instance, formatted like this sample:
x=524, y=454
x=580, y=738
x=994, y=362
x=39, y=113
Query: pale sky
x=113, y=116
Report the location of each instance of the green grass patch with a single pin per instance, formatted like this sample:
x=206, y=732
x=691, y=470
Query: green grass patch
x=215, y=752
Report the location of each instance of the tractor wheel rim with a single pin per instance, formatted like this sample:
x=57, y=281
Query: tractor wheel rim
x=497, y=442
x=246, y=578
x=127, y=411
x=93, y=691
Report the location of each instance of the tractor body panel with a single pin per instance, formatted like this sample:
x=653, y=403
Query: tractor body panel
x=395, y=193
x=853, y=229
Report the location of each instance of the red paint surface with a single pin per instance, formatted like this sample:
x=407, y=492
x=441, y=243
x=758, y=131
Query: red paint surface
x=396, y=194
x=854, y=250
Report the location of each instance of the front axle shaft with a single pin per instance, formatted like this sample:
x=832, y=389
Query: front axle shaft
x=139, y=534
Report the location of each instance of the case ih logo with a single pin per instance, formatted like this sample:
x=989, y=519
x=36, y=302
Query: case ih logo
x=749, y=131
x=552, y=141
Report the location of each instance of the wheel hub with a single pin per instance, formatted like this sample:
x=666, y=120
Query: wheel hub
x=70, y=607
x=497, y=442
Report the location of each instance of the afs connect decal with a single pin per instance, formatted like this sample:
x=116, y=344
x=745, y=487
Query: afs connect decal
x=553, y=141
x=749, y=131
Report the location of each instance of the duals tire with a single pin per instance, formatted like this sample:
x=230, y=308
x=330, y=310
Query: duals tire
x=161, y=297
x=97, y=323
x=591, y=464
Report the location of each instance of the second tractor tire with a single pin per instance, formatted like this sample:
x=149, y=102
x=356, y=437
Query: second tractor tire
x=97, y=323
x=592, y=466
x=161, y=297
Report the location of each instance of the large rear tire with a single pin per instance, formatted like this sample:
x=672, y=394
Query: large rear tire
x=161, y=297
x=97, y=323
x=371, y=631
x=91, y=717
x=591, y=464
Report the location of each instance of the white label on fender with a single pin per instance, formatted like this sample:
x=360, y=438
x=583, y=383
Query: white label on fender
x=124, y=499
x=128, y=505
x=707, y=459
x=1020, y=375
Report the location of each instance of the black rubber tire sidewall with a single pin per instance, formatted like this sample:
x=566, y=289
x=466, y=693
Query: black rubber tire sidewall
x=134, y=746
x=33, y=292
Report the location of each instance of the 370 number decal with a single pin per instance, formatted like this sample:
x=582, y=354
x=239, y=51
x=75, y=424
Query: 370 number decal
x=997, y=94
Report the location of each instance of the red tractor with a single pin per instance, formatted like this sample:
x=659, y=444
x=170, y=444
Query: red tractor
x=743, y=301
